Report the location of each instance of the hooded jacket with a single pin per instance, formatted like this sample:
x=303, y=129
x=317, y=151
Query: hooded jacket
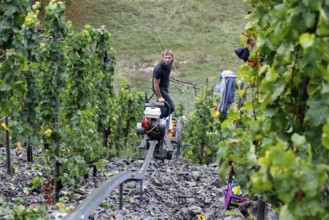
x=226, y=88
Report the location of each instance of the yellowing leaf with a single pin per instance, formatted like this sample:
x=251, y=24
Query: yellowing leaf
x=243, y=39
x=285, y=213
x=48, y=132
x=19, y=144
x=201, y=217
x=307, y=40
x=325, y=136
x=5, y=126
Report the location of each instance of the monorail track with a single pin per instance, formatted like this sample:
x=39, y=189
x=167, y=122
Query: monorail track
x=92, y=201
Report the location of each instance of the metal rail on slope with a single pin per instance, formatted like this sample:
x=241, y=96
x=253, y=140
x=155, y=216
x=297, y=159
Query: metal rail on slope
x=93, y=200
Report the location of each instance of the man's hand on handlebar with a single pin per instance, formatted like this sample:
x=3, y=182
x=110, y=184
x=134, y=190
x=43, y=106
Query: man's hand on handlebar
x=161, y=99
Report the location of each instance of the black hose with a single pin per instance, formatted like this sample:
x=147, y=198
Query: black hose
x=169, y=109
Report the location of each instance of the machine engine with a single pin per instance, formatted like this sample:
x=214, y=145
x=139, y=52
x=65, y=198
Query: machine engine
x=155, y=128
x=151, y=124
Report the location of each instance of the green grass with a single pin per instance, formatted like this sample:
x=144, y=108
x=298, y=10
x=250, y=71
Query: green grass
x=202, y=34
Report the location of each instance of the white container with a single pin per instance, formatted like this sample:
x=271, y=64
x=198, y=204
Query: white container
x=152, y=112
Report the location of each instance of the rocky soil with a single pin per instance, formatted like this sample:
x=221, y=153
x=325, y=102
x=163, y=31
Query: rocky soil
x=171, y=190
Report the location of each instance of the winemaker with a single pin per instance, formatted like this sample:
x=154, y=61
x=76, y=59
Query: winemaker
x=160, y=82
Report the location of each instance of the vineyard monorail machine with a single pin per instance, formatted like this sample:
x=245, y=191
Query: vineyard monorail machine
x=166, y=131
x=161, y=141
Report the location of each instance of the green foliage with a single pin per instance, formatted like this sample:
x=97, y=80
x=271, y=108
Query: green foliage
x=37, y=182
x=280, y=153
x=20, y=212
x=202, y=130
x=102, y=75
x=107, y=205
x=63, y=96
x=12, y=54
x=24, y=123
x=2, y=158
x=80, y=131
x=79, y=81
x=179, y=110
x=126, y=110
x=52, y=78
x=18, y=201
x=52, y=82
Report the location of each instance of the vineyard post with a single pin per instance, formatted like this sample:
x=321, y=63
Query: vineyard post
x=32, y=38
x=106, y=133
x=56, y=129
x=128, y=122
x=261, y=209
x=29, y=155
x=7, y=146
x=202, y=154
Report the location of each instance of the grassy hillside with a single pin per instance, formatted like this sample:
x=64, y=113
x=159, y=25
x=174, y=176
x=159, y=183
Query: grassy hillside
x=202, y=34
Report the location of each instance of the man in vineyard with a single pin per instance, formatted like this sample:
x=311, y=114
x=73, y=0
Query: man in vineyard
x=160, y=82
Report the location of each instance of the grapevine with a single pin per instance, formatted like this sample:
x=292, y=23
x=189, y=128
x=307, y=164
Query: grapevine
x=202, y=130
x=80, y=98
x=52, y=80
x=281, y=153
x=12, y=60
x=27, y=126
x=127, y=109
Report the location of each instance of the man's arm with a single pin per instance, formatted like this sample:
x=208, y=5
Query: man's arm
x=157, y=89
